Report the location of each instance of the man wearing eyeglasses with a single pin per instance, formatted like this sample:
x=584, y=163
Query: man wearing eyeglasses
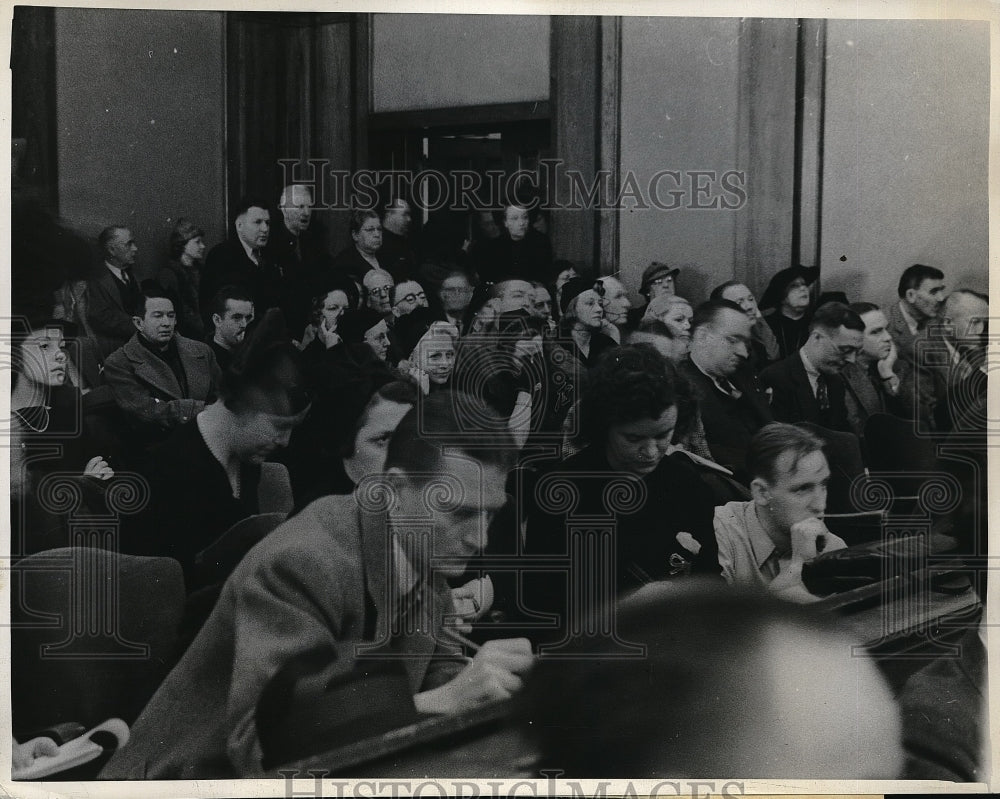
x=408, y=296
x=378, y=285
x=808, y=386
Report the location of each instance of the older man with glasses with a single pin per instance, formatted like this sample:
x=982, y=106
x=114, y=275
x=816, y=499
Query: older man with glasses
x=808, y=385
x=407, y=297
x=378, y=285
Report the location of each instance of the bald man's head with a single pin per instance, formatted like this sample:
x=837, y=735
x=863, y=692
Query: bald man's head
x=964, y=316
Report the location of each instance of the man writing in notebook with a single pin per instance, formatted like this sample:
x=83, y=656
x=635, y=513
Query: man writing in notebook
x=362, y=577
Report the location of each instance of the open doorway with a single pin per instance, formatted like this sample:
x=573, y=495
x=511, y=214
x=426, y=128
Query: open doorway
x=490, y=151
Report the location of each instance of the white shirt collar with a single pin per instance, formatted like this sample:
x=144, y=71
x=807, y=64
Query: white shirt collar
x=404, y=574
x=250, y=251
x=116, y=271
x=811, y=371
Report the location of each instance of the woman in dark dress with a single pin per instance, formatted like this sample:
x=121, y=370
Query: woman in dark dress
x=49, y=437
x=182, y=276
x=788, y=303
x=655, y=512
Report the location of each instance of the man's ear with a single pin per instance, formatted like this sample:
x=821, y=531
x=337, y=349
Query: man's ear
x=760, y=491
x=216, y=319
x=137, y=321
x=910, y=296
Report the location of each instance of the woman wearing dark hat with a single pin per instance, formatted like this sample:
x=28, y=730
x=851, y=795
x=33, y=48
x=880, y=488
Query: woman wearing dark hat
x=367, y=327
x=429, y=346
x=182, y=276
x=583, y=319
x=789, y=298
x=658, y=281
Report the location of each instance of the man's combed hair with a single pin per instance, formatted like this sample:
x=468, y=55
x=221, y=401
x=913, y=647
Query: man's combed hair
x=105, y=236
x=833, y=315
x=861, y=308
x=246, y=203
x=450, y=421
x=628, y=384
x=229, y=293
x=719, y=290
x=774, y=440
x=914, y=275
x=151, y=290
x=708, y=312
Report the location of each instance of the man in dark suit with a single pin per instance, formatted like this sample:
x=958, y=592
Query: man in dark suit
x=396, y=253
x=878, y=382
x=297, y=246
x=242, y=261
x=112, y=293
x=808, y=386
x=160, y=379
x=732, y=409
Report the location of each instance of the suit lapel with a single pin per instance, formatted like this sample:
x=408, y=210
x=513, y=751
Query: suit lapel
x=195, y=368
x=864, y=393
x=803, y=389
x=111, y=286
x=153, y=369
x=413, y=649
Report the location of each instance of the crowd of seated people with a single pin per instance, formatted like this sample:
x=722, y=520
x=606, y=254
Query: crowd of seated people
x=398, y=409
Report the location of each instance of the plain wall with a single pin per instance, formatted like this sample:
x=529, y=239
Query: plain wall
x=438, y=61
x=679, y=104
x=906, y=154
x=140, y=112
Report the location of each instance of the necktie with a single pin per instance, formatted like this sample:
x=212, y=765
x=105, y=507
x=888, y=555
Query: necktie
x=727, y=388
x=822, y=393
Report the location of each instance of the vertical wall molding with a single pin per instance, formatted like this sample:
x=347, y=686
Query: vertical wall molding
x=575, y=103
x=811, y=76
x=766, y=148
x=608, y=249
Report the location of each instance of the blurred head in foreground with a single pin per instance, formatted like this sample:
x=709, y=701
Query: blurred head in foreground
x=730, y=683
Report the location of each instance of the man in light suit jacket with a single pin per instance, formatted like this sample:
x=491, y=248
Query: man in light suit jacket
x=351, y=578
x=113, y=291
x=808, y=386
x=160, y=379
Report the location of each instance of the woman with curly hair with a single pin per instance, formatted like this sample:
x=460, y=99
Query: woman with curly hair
x=658, y=510
x=182, y=276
